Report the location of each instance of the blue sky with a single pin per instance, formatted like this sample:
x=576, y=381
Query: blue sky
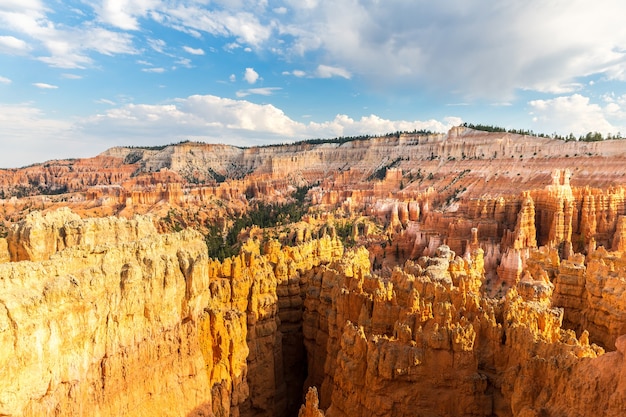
x=78, y=77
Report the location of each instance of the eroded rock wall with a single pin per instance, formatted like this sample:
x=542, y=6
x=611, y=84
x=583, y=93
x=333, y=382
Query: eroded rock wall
x=106, y=330
x=110, y=318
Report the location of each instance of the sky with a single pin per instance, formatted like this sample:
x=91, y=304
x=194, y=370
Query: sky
x=80, y=76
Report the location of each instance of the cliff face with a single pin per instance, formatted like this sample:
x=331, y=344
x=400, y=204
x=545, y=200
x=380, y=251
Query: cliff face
x=105, y=330
x=124, y=321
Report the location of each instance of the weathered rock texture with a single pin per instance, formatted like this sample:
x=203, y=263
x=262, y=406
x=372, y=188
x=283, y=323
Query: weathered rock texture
x=147, y=324
x=425, y=342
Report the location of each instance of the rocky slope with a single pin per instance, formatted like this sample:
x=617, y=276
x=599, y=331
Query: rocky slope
x=460, y=274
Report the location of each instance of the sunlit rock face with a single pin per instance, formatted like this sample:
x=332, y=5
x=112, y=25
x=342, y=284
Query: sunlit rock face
x=126, y=321
x=439, y=275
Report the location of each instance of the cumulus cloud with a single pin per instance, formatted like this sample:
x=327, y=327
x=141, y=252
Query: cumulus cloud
x=5, y=80
x=238, y=122
x=343, y=125
x=209, y=118
x=193, y=51
x=578, y=115
x=250, y=75
x=198, y=116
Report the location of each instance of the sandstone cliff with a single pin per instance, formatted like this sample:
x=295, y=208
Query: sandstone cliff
x=129, y=322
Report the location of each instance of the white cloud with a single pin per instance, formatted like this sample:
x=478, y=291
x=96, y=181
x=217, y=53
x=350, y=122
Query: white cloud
x=157, y=44
x=5, y=80
x=295, y=73
x=13, y=45
x=201, y=116
x=45, y=86
x=576, y=114
x=263, y=91
x=232, y=78
x=491, y=53
x=325, y=71
x=156, y=70
x=185, y=62
x=37, y=138
x=193, y=51
x=66, y=46
x=105, y=101
x=243, y=25
x=123, y=14
x=207, y=117
x=71, y=76
x=251, y=76
x=477, y=49
x=343, y=125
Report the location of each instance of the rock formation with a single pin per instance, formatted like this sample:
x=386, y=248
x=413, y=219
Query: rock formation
x=439, y=275
x=134, y=323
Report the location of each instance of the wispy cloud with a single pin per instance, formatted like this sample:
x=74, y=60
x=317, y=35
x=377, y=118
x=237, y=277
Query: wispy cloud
x=156, y=70
x=66, y=46
x=419, y=51
x=37, y=137
x=5, y=80
x=70, y=76
x=193, y=51
x=295, y=73
x=45, y=86
x=13, y=45
x=185, y=62
x=157, y=44
x=262, y=91
x=105, y=101
x=325, y=71
x=123, y=14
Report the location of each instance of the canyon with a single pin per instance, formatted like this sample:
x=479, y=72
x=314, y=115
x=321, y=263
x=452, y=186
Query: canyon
x=468, y=273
